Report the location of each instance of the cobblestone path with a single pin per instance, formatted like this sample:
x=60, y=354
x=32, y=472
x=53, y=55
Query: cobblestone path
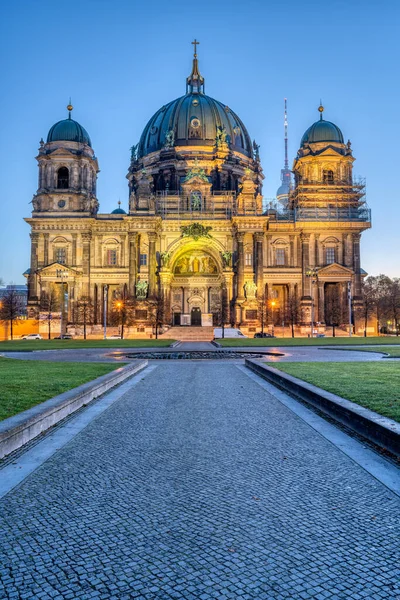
x=198, y=484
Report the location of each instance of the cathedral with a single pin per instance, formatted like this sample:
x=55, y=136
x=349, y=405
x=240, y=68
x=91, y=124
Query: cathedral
x=197, y=246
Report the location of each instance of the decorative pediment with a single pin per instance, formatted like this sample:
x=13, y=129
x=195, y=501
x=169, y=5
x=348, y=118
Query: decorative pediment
x=52, y=271
x=335, y=270
x=62, y=152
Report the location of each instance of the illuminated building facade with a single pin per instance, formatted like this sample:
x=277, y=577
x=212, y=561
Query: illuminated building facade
x=195, y=238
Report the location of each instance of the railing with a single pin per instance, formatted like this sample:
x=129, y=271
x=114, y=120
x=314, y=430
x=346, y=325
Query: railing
x=351, y=213
x=218, y=205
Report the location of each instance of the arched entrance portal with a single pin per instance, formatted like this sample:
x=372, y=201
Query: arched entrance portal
x=195, y=287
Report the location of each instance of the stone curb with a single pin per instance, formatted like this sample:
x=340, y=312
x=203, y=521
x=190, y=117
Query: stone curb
x=20, y=429
x=380, y=430
x=216, y=344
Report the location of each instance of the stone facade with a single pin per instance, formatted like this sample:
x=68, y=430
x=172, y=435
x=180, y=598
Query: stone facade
x=196, y=240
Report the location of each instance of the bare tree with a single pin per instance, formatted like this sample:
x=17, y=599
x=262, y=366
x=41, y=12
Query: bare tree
x=393, y=302
x=123, y=312
x=368, y=305
x=11, y=308
x=293, y=310
x=157, y=312
x=333, y=308
x=50, y=302
x=84, y=312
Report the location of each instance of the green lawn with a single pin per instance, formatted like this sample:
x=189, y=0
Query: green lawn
x=24, y=345
x=328, y=341
x=25, y=383
x=375, y=385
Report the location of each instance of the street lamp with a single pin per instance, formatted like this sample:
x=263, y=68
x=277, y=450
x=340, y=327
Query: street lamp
x=61, y=273
x=349, y=300
x=105, y=310
x=272, y=317
x=312, y=273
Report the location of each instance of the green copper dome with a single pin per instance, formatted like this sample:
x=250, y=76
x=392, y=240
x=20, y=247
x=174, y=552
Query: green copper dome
x=68, y=130
x=194, y=120
x=322, y=131
x=118, y=211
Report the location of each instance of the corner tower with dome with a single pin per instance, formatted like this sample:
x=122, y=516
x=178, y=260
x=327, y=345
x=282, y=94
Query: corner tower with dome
x=193, y=246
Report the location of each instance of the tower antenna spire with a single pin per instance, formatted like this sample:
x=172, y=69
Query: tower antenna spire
x=286, y=136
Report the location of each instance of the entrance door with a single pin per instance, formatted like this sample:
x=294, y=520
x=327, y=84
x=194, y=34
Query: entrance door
x=195, y=315
x=177, y=319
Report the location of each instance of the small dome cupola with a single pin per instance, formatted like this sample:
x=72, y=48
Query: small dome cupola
x=119, y=210
x=195, y=81
x=68, y=130
x=322, y=131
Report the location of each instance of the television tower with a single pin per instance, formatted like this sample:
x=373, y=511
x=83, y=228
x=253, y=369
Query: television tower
x=286, y=175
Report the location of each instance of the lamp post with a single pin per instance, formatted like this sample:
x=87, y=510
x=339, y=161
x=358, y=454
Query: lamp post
x=61, y=273
x=272, y=317
x=105, y=310
x=349, y=301
x=312, y=273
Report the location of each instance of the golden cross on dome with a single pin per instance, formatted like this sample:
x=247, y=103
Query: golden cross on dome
x=195, y=49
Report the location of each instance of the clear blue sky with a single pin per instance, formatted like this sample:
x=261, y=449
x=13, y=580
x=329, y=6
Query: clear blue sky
x=120, y=61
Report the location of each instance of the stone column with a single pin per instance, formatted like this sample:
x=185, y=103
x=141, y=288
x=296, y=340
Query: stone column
x=86, y=238
x=240, y=265
x=317, y=251
x=321, y=301
x=165, y=293
x=305, y=263
x=74, y=240
x=291, y=251
x=132, y=242
x=32, y=281
x=357, y=265
x=152, y=264
x=268, y=242
x=259, y=262
x=348, y=251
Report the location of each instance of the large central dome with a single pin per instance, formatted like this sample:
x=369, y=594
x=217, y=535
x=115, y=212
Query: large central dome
x=194, y=120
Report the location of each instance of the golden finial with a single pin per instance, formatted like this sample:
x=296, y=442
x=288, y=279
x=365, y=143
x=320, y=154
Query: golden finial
x=321, y=109
x=119, y=203
x=70, y=108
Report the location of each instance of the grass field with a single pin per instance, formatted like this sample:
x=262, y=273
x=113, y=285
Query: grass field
x=25, y=383
x=28, y=345
x=337, y=341
x=375, y=385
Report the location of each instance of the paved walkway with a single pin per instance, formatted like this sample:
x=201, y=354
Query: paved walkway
x=199, y=484
x=296, y=353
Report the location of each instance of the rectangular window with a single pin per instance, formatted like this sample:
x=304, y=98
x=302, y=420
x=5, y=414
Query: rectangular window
x=111, y=258
x=280, y=257
x=61, y=256
x=251, y=315
x=330, y=256
x=143, y=260
x=248, y=259
x=141, y=315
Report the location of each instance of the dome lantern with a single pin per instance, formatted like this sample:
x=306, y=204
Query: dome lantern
x=322, y=131
x=195, y=81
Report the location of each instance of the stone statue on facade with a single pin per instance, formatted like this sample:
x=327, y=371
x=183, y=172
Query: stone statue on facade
x=196, y=172
x=221, y=137
x=165, y=258
x=226, y=258
x=134, y=152
x=250, y=289
x=169, y=139
x=141, y=289
x=256, y=151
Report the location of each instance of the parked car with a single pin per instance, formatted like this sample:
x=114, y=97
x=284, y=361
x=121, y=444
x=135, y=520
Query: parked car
x=261, y=334
x=113, y=337
x=229, y=332
x=32, y=336
x=320, y=335
x=66, y=336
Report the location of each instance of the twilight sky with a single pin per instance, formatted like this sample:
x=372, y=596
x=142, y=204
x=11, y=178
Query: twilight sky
x=120, y=61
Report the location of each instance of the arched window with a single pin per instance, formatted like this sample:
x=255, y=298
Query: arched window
x=328, y=176
x=63, y=178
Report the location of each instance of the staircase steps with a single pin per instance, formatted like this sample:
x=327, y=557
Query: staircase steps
x=189, y=334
